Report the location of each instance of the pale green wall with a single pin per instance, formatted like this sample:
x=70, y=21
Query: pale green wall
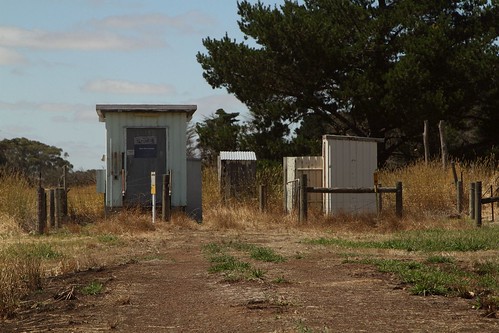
x=176, y=127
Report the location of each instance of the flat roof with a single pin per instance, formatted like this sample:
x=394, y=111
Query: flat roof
x=351, y=138
x=102, y=109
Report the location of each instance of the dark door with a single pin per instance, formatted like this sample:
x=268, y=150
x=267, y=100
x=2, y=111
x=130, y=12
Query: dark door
x=146, y=152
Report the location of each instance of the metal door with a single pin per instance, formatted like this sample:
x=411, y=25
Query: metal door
x=145, y=152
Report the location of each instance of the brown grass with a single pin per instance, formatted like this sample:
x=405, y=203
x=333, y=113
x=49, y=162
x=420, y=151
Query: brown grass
x=90, y=238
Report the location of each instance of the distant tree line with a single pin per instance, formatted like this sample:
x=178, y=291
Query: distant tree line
x=357, y=67
x=32, y=158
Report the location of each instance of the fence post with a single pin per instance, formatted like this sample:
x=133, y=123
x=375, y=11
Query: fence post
x=472, y=200
x=478, y=204
x=379, y=197
x=492, y=203
x=165, y=200
x=303, y=199
x=398, y=199
x=42, y=210
x=262, y=195
x=52, y=207
x=459, y=188
x=58, y=207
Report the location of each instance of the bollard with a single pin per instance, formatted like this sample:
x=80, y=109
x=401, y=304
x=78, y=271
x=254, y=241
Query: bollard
x=472, y=201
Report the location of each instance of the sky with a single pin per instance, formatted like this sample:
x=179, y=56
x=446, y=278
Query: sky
x=59, y=58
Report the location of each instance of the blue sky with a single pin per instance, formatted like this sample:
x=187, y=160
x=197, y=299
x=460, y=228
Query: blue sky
x=59, y=58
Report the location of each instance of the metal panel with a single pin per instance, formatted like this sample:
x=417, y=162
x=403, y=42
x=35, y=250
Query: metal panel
x=176, y=125
x=145, y=153
x=295, y=167
x=349, y=163
x=194, y=193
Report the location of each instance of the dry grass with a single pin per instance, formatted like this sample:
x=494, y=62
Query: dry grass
x=17, y=201
x=91, y=239
x=429, y=191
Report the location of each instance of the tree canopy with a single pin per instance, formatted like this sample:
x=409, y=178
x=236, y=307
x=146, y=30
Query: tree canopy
x=31, y=157
x=219, y=132
x=366, y=68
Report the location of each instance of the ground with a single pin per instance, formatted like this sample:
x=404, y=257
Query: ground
x=165, y=286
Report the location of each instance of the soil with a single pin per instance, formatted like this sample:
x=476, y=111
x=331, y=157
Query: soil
x=168, y=288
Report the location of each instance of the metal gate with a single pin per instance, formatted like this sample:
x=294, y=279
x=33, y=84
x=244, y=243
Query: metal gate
x=145, y=152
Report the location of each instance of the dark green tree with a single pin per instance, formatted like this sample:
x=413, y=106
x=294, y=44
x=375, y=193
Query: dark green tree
x=31, y=157
x=364, y=67
x=219, y=132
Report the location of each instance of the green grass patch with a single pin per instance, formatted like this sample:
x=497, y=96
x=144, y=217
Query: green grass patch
x=93, y=288
x=233, y=268
x=32, y=250
x=425, y=279
x=109, y=239
x=438, y=240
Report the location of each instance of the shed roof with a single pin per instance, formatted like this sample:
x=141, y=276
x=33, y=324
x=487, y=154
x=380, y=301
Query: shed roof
x=351, y=138
x=102, y=109
x=237, y=156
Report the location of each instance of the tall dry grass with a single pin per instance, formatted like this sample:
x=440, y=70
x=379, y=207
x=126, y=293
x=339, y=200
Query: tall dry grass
x=429, y=191
x=17, y=202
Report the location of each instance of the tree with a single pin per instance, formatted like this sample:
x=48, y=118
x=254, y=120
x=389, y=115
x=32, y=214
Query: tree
x=365, y=67
x=31, y=157
x=219, y=132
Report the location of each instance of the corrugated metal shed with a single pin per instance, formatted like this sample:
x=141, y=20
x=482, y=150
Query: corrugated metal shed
x=141, y=138
x=237, y=174
x=349, y=162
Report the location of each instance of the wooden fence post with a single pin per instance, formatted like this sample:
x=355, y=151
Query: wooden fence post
x=165, y=200
x=398, y=199
x=443, y=143
x=303, y=199
x=492, y=202
x=426, y=143
x=52, y=207
x=379, y=199
x=459, y=188
x=472, y=200
x=58, y=207
x=262, y=196
x=478, y=204
x=42, y=210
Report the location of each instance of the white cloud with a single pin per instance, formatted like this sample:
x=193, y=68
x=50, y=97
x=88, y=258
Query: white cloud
x=190, y=22
x=127, y=87
x=60, y=112
x=11, y=57
x=75, y=40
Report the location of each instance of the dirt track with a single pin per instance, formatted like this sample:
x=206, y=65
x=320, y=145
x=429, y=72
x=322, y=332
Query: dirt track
x=171, y=290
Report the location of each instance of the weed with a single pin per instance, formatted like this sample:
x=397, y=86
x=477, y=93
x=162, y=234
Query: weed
x=437, y=259
x=280, y=279
x=265, y=254
x=109, y=239
x=93, y=288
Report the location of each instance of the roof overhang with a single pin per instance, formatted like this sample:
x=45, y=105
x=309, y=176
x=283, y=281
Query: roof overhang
x=103, y=109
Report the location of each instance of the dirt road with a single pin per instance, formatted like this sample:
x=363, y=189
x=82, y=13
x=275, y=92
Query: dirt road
x=169, y=289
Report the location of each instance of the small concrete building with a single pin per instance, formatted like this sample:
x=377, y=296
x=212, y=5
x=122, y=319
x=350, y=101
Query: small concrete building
x=141, y=139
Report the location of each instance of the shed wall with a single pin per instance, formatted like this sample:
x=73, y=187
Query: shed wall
x=294, y=168
x=176, y=126
x=349, y=163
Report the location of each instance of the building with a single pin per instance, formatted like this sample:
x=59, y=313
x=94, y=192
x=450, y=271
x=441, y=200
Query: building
x=141, y=139
x=349, y=162
x=237, y=174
